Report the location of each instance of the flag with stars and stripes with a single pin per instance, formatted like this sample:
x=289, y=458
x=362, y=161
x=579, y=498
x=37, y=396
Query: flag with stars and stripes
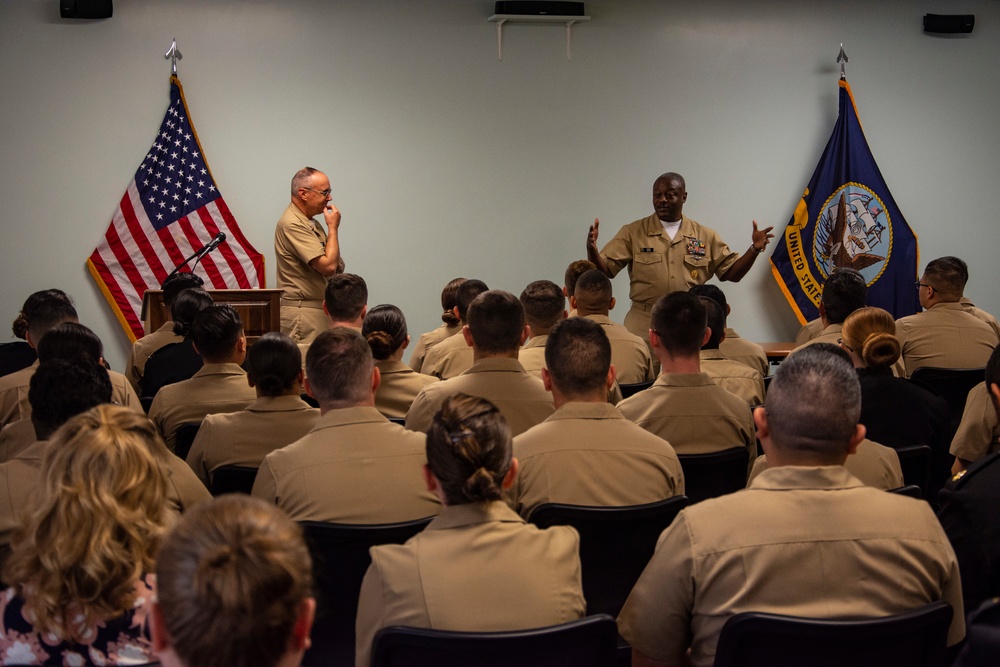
x=171, y=208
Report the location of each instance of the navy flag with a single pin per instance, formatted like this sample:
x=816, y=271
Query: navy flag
x=847, y=217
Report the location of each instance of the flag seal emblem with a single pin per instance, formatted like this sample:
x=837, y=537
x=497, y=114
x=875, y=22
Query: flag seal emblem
x=856, y=233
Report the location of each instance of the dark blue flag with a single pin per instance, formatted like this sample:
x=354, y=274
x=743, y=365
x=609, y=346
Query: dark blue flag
x=847, y=217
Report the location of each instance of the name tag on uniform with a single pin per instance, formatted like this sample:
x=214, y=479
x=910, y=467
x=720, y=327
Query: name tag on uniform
x=645, y=250
x=696, y=247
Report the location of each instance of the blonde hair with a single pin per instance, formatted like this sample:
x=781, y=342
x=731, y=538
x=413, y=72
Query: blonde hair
x=231, y=579
x=94, y=529
x=871, y=333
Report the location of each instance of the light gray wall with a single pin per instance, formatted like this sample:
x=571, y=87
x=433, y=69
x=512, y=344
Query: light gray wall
x=446, y=161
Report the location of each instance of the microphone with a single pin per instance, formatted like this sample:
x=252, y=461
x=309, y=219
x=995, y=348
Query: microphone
x=216, y=241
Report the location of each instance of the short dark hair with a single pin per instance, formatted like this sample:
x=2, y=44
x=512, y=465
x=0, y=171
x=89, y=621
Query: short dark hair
x=466, y=294
x=578, y=356
x=496, y=321
x=843, y=293
x=274, y=363
x=672, y=176
x=573, y=273
x=215, y=332
x=70, y=341
x=186, y=306
x=384, y=328
x=948, y=275
x=813, y=404
x=339, y=367
x=713, y=292
x=345, y=297
x=716, y=321
x=60, y=389
x=449, y=299
x=544, y=304
x=177, y=283
x=47, y=309
x=593, y=291
x=680, y=319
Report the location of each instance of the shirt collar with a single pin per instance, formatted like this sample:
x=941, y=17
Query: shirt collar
x=496, y=364
x=470, y=514
x=683, y=380
x=360, y=414
x=789, y=478
x=220, y=369
x=581, y=410
x=278, y=404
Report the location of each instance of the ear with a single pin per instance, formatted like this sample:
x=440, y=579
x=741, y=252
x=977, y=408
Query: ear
x=376, y=379
x=860, y=431
x=763, y=429
x=241, y=344
x=547, y=379
x=708, y=334
x=325, y=311
x=158, y=628
x=525, y=332
x=611, y=304
x=722, y=337
x=654, y=340
x=251, y=382
x=301, y=378
x=308, y=387
x=196, y=350
x=508, y=479
x=430, y=480
x=364, y=311
x=31, y=341
x=406, y=343
x=565, y=291
x=565, y=314
x=612, y=376
x=303, y=625
x=468, y=335
x=454, y=311
x=572, y=303
x=729, y=309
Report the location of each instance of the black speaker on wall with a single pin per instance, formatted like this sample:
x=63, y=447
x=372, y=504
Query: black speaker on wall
x=86, y=9
x=949, y=23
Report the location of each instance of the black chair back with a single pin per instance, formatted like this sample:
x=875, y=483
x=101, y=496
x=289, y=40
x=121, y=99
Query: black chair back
x=634, y=388
x=169, y=364
x=186, y=433
x=953, y=384
x=616, y=543
x=916, y=465
x=715, y=474
x=398, y=420
x=588, y=642
x=340, y=560
x=910, y=490
x=914, y=639
x=233, y=479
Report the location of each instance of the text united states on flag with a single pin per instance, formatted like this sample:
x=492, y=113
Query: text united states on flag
x=171, y=208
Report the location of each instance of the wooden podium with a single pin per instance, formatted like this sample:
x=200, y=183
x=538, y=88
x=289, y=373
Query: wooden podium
x=258, y=308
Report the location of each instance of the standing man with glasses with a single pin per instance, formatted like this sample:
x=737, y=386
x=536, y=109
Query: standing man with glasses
x=306, y=255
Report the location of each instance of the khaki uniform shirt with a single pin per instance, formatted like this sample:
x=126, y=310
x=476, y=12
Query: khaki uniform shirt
x=521, y=399
x=693, y=414
x=532, y=355
x=399, y=386
x=214, y=388
x=745, y=351
x=354, y=466
x=144, y=347
x=657, y=265
x=978, y=432
x=809, y=330
x=589, y=454
x=14, y=403
x=874, y=464
x=812, y=542
x=429, y=340
x=15, y=438
x=476, y=567
x=829, y=334
x=945, y=336
x=299, y=239
x=733, y=376
x=244, y=438
x=981, y=314
x=449, y=358
x=629, y=353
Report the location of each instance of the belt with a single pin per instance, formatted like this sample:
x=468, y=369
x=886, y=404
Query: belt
x=643, y=305
x=302, y=303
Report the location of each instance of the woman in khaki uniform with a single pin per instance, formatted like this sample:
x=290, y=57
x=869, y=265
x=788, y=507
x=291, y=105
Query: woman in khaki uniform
x=478, y=566
x=384, y=328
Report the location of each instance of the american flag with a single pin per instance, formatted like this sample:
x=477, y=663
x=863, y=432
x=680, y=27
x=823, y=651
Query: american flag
x=171, y=208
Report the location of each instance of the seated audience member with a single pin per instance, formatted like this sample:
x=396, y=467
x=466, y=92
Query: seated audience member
x=811, y=329
x=278, y=417
x=587, y=453
x=967, y=304
x=345, y=301
x=165, y=335
x=977, y=436
x=175, y=362
x=732, y=376
x=234, y=587
x=592, y=298
x=806, y=539
x=17, y=354
x=495, y=331
x=944, y=335
x=354, y=466
x=451, y=325
x=544, y=307
x=734, y=346
x=384, y=328
x=83, y=556
x=453, y=356
x=684, y=406
x=896, y=412
x=573, y=273
x=874, y=464
x=220, y=385
x=968, y=513
x=477, y=566
x=43, y=311
x=843, y=293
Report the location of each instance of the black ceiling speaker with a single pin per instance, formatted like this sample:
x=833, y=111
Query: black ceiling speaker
x=86, y=9
x=948, y=23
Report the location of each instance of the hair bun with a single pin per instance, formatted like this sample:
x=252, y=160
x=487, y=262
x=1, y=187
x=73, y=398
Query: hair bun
x=448, y=317
x=381, y=344
x=880, y=350
x=481, y=486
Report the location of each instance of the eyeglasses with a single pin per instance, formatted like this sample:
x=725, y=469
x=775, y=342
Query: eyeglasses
x=325, y=193
x=919, y=284
x=840, y=342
